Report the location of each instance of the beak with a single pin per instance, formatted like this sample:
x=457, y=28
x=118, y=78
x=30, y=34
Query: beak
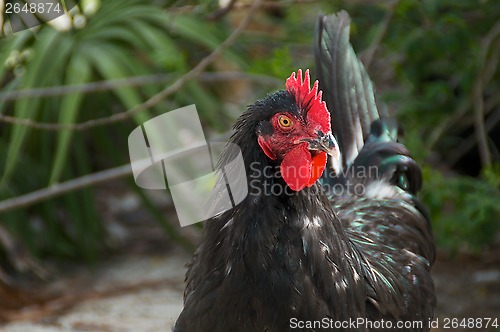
x=324, y=142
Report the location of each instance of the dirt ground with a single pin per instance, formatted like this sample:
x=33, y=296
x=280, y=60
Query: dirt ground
x=139, y=287
x=468, y=287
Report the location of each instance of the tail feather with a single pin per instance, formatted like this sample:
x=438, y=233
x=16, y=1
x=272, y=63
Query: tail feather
x=385, y=222
x=347, y=88
x=392, y=159
x=365, y=134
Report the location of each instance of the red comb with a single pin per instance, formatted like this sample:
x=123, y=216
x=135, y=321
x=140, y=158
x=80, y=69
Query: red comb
x=309, y=99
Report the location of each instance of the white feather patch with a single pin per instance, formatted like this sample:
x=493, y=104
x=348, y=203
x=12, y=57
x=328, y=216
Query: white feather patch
x=316, y=222
x=380, y=189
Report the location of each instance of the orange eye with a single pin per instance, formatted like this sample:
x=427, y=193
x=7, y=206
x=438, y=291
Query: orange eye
x=284, y=121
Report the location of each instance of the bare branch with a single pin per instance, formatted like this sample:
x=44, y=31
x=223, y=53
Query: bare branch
x=85, y=88
x=65, y=187
x=134, y=81
x=469, y=142
x=79, y=183
x=370, y=52
x=453, y=119
x=244, y=5
x=481, y=135
x=174, y=87
x=487, y=68
x=464, y=107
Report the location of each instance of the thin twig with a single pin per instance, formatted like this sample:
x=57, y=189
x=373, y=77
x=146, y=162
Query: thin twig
x=174, y=87
x=464, y=107
x=370, y=52
x=481, y=134
x=133, y=81
x=438, y=132
x=81, y=182
x=469, y=142
x=245, y=6
x=99, y=86
x=62, y=188
x=484, y=75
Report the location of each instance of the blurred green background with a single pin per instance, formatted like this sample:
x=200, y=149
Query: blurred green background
x=434, y=63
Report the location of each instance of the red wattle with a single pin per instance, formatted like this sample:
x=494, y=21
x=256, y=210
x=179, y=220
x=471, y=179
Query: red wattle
x=296, y=168
x=318, y=166
x=299, y=169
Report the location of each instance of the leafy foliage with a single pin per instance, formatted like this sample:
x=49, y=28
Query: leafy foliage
x=464, y=210
x=443, y=63
x=430, y=60
x=426, y=67
x=122, y=39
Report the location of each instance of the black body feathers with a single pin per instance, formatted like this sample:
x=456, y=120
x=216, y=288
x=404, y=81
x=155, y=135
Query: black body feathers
x=320, y=254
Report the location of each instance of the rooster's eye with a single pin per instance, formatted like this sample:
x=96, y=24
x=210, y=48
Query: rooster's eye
x=284, y=121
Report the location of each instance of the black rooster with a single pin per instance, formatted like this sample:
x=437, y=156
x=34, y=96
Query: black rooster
x=349, y=248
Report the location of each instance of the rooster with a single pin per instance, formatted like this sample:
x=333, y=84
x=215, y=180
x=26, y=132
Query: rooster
x=331, y=235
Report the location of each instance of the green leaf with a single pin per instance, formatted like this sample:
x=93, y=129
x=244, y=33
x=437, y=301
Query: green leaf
x=50, y=52
x=112, y=65
x=78, y=72
x=195, y=30
x=165, y=49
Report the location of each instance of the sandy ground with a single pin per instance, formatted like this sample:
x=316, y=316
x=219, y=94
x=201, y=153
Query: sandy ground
x=151, y=304
x=154, y=300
